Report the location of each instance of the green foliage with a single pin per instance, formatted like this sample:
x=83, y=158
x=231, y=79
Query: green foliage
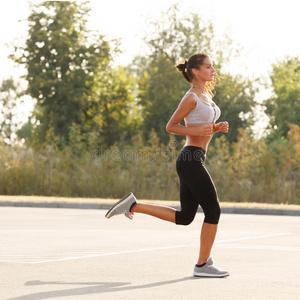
x=117, y=118
x=8, y=104
x=69, y=74
x=252, y=173
x=161, y=86
x=161, y=89
x=178, y=36
x=234, y=96
x=99, y=131
x=284, y=108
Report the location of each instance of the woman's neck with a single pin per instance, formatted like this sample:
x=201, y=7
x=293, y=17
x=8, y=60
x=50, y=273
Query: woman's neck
x=199, y=86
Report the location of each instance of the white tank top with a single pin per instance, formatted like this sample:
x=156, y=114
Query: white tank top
x=202, y=113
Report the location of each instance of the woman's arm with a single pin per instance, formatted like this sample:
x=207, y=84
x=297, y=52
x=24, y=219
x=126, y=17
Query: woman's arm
x=184, y=107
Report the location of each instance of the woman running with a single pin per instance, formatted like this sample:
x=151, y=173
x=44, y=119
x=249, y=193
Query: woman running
x=196, y=186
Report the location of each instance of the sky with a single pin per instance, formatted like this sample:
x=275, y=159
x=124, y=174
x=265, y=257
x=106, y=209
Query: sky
x=267, y=30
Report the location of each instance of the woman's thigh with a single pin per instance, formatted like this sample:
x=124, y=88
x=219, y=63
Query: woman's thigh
x=202, y=189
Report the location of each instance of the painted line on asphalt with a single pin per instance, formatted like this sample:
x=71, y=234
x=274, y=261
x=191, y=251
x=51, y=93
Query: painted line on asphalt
x=259, y=247
x=221, y=243
x=253, y=237
x=106, y=254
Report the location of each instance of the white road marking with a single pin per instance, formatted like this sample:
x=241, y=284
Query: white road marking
x=259, y=247
x=221, y=243
x=104, y=254
x=253, y=237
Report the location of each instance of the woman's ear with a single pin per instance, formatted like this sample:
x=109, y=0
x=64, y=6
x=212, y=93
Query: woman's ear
x=195, y=72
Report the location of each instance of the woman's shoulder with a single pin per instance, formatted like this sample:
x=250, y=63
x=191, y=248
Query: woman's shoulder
x=189, y=99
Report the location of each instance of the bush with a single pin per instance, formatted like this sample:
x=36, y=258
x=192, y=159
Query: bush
x=248, y=171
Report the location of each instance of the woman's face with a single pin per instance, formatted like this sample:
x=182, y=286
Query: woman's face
x=206, y=71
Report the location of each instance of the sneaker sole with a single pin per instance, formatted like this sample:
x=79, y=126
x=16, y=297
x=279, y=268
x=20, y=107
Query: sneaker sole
x=117, y=205
x=210, y=275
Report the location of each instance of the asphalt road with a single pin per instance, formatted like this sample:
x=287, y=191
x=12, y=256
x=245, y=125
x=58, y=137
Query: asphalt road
x=48, y=253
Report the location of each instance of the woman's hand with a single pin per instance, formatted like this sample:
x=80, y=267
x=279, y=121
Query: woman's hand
x=223, y=126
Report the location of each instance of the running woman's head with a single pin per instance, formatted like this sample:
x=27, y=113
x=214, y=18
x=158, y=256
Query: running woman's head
x=199, y=68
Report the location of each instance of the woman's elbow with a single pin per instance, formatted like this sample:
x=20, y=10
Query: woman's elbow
x=168, y=128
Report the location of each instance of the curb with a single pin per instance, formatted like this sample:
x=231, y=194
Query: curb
x=225, y=210
x=260, y=211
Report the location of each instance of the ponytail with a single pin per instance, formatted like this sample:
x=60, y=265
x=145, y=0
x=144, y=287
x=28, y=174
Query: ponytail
x=182, y=67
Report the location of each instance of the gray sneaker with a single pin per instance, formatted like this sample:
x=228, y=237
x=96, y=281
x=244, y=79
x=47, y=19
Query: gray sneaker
x=209, y=270
x=124, y=206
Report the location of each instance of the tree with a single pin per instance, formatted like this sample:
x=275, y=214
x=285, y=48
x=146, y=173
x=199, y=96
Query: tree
x=234, y=96
x=68, y=72
x=8, y=111
x=284, y=107
x=118, y=116
x=162, y=86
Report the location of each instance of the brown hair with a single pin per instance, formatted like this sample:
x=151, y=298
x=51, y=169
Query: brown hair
x=195, y=61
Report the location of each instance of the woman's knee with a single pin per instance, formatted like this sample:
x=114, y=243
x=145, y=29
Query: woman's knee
x=183, y=218
x=212, y=215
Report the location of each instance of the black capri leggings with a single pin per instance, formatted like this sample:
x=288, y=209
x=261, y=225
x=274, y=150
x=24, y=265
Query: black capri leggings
x=196, y=187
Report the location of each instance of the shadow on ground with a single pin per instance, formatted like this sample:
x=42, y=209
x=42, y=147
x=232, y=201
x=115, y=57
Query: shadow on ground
x=90, y=288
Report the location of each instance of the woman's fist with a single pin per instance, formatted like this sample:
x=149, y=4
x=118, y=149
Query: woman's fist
x=223, y=126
